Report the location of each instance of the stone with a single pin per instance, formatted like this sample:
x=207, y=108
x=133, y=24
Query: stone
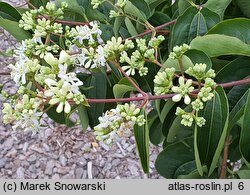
x=49, y=167
x=25, y=147
x=81, y=162
x=63, y=160
x=55, y=176
x=32, y=168
x=20, y=173
x=31, y=158
x=116, y=162
x=79, y=172
x=2, y=162
x=11, y=154
x=8, y=143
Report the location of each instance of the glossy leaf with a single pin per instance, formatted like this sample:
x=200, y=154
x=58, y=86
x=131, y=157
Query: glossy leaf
x=186, y=61
x=131, y=9
x=142, y=141
x=244, y=6
x=174, y=156
x=130, y=26
x=155, y=131
x=183, y=5
x=217, y=45
x=218, y=7
x=13, y=28
x=245, y=134
x=59, y=117
x=83, y=115
x=9, y=12
x=237, y=27
x=237, y=109
x=240, y=68
x=196, y=152
x=99, y=84
x=243, y=174
x=211, y=136
x=192, y=23
x=122, y=87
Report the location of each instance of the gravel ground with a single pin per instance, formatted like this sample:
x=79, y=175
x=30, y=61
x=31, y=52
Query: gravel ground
x=60, y=152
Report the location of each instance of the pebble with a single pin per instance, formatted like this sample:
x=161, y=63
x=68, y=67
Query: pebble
x=49, y=167
x=20, y=173
x=31, y=158
x=2, y=162
x=25, y=146
x=8, y=143
x=79, y=172
x=63, y=160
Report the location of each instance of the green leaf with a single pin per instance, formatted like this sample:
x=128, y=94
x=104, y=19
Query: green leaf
x=218, y=7
x=143, y=6
x=240, y=68
x=183, y=5
x=245, y=134
x=217, y=45
x=243, y=174
x=122, y=87
x=117, y=25
x=38, y=3
x=174, y=156
x=225, y=120
x=131, y=9
x=197, y=56
x=211, y=136
x=177, y=130
x=155, y=131
x=186, y=61
x=154, y=3
x=196, y=152
x=9, y=12
x=58, y=117
x=99, y=90
x=244, y=6
x=237, y=109
x=83, y=115
x=14, y=29
x=237, y=27
x=130, y=27
x=142, y=143
x=192, y=23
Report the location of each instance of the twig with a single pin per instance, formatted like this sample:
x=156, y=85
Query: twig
x=225, y=157
x=152, y=30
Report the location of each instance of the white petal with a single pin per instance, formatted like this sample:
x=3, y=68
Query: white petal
x=63, y=57
x=187, y=99
x=67, y=107
x=59, y=108
x=50, y=59
x=177, y=97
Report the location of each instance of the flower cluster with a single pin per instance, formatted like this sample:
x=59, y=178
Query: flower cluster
x=118, y=6
x=117, y=123
x=138, y=58
x=164, y=85
x=178, y=51
x=164, y=81
x=25, y=114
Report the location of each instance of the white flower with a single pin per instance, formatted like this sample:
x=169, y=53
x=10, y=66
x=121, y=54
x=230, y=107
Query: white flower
x=18, y=71
x=29, y=121
x=86, y=33
x=91, y=58
x=183, y=90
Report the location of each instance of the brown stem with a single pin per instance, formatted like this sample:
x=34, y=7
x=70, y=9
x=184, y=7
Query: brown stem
x=152, y=30
x=225, y=157
x=66, y=21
